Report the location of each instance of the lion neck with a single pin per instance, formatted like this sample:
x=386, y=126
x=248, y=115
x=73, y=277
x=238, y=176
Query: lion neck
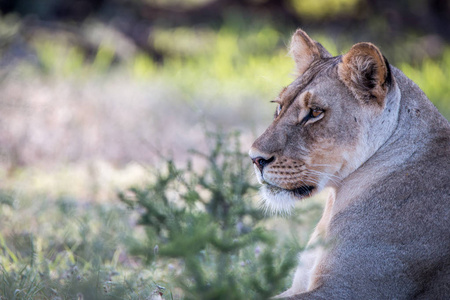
x=392, y=143
x=374, y=135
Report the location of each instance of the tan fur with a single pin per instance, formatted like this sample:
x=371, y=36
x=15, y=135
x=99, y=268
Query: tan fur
x=304, y=51
x=357, y=125
x=361, y=58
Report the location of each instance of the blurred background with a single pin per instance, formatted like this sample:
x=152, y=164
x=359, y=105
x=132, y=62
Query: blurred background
x=124, y=81
x=95, y=93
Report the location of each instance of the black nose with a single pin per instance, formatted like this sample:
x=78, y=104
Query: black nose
x=262, y=162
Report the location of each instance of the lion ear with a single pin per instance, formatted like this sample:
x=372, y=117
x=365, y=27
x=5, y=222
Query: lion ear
x=305, y=51
x=366, y=72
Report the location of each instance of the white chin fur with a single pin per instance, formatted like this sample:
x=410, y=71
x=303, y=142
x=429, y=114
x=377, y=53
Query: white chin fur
x=276, y=200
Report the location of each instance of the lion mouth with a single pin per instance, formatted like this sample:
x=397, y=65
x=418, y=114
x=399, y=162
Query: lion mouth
x=300, y=192
x=279, y=200
x=303, y=191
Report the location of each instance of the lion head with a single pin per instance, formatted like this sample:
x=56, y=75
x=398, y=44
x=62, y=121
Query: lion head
x=328, y=121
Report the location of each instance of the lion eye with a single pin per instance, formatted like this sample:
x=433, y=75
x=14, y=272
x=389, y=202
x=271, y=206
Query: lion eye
x=316, y=112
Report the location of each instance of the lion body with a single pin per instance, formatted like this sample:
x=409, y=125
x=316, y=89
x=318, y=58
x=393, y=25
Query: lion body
x=384, y=151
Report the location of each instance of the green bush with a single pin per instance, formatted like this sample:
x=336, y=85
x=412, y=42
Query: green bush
x=208, y=223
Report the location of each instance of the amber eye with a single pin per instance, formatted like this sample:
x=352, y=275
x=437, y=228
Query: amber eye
x=316, y=112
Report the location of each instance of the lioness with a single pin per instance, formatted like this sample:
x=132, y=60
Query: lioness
x=359, y=126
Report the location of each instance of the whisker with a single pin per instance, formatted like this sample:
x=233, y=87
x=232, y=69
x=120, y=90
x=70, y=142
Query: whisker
x=325, y=173
x=335, y=179
x=330, y=179
x=321, y=165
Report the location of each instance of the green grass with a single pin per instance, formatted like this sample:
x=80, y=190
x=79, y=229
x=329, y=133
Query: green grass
x=60, y=248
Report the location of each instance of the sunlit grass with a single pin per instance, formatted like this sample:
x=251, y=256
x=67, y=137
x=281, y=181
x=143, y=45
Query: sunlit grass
x=61, y=247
